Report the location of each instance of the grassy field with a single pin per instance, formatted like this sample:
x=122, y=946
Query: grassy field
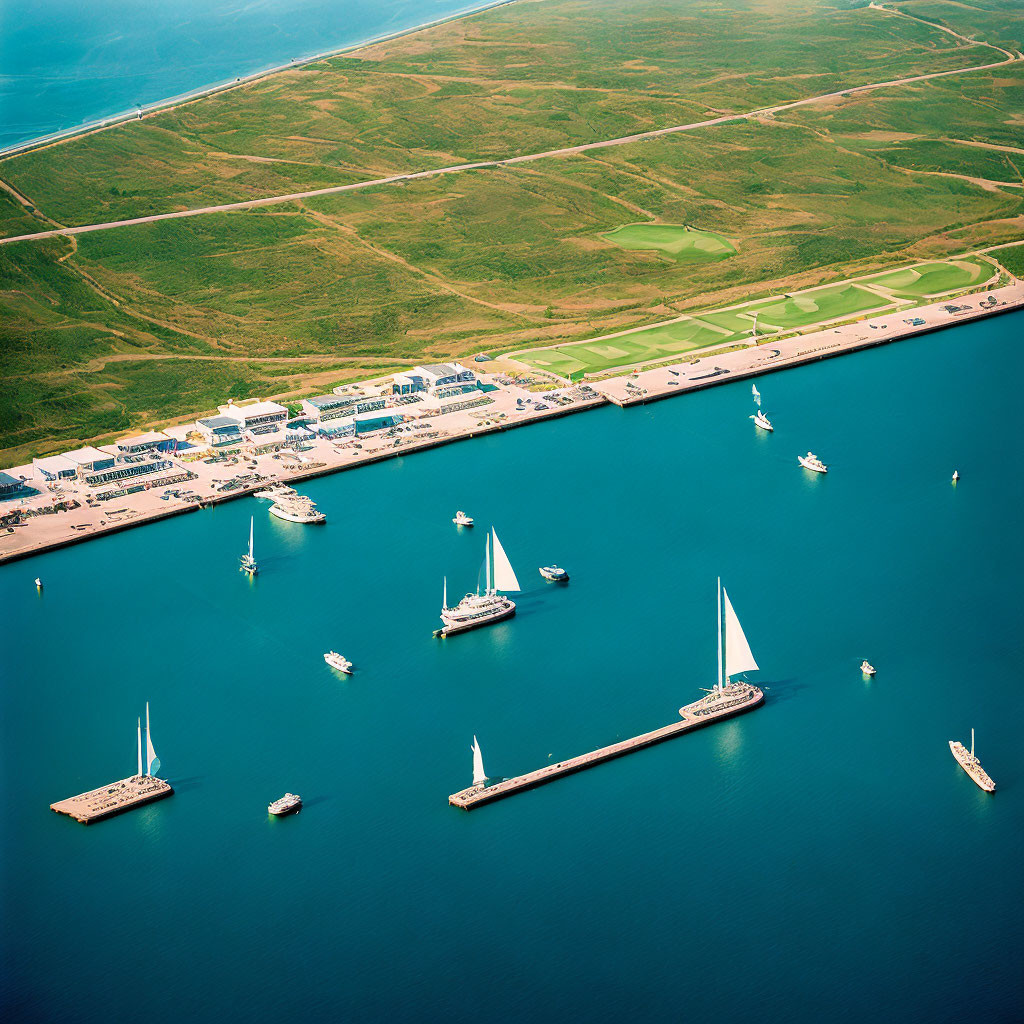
x=122, y=329
x=676, y=242
x=933, y=278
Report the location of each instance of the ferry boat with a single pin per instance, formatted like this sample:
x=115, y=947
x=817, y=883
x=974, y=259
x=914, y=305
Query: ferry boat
x=297, y=510
x=727, y=697
x=461, y=519
x=288, y=804
x=971, y=765
x=248, y=562
x=812, y=462
x=762, y=421
x=335, y=660
x=554, y=573
x=475, y=610
x=867, y=668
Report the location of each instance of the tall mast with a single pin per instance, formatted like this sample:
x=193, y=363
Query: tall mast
x=972, y=743
x=487, y=561
x=250, y=535
x=719, y=595
x=140, y=747
x=444, y=594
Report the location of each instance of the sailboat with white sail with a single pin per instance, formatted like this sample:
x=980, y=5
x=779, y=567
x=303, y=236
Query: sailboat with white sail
x=734, y=658
x=152, y=764
x=479, y=775
x=970, y=764
x=248, y=562
x=475, y=610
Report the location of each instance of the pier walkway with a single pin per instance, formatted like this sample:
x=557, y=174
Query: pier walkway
x=467, y=799
x=114, y=798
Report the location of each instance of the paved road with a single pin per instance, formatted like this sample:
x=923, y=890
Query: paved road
x=625, y=140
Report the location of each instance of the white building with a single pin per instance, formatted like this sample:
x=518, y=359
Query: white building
x=434, y=378
x=256, y=418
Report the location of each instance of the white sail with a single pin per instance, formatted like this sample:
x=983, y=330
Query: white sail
x=487, y=564
x=737, y=651
x=152, y=761
x=719, y=593
x=444, y=594
x=479, y=778
x=250, y=535
x=755, y=392
x=504, y=574
x=139, y=720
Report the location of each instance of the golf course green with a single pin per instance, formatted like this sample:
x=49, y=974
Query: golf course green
x=676, y=242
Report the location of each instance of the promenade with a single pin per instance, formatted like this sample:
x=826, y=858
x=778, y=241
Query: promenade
x=512, y=406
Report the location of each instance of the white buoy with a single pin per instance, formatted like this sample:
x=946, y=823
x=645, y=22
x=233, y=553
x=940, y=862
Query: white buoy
x=39, y=583
x=956, y=475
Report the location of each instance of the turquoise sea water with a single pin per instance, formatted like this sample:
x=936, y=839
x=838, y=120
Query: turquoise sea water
x=821, y=858
x=65, y=63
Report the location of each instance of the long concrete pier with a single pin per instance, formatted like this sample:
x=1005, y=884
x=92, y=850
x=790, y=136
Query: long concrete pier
x=467, y=799
x=115, y=798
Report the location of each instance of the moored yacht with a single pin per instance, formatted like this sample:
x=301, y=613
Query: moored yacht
x=554, y=573
x=297, y=509
x=475, y=610
x=867, y=668
x=248, y=562
x=461, y=519
x=335, y=660
x=762, y=421
x=276, y=491
x=971, y=765
x=287, y=804
x=812, y=462
x=727, y=697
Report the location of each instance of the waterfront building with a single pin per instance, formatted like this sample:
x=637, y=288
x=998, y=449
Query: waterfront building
x=256, y=418
x=10, y=486
x=432, y=378
x=368, y=424
x=151, y=441
x=220, y=430
x=89, y=459
x=55, y=467
x=124, y=470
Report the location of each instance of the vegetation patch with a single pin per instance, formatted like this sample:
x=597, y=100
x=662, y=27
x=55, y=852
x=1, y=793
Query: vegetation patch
x=678, y=242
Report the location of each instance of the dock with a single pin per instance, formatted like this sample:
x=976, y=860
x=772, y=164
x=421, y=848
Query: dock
x=694, y=716
x=115, y=798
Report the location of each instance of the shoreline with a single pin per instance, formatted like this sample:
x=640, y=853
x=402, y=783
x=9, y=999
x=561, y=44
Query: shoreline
x=59, y=530
x=200, y=92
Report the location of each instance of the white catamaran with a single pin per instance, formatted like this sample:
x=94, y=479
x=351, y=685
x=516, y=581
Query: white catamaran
x=152, y=761
x=727, y=695
x=479, y=776
x=248, y=562
x=478, y=609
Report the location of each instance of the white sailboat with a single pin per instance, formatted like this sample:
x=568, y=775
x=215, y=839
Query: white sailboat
x=492, y=605
x=734, y=658
x=249, y=565
x=152, y=761
x=139, y=772
x=970, y=764
x=479, y=776
x=756, y=394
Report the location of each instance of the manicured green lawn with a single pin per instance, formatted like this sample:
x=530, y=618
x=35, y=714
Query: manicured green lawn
x=819, y=306
x=675, y=241
x=934, y=278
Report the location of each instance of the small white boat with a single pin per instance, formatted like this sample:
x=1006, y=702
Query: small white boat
x=554, y=573
x=297, y=510
x=248, y=562
x=956, y=475
x=812, y=462
x=39, y=583
x=867, y=668
x=288, y=804
x=763, y=422
x=335, y=660
x=461, y=519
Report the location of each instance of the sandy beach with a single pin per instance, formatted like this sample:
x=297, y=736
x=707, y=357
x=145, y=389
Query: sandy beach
x=511, y=406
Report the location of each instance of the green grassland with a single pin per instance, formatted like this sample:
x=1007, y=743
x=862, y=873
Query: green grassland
x=520, y=79
x=933, y=278
x=1012, y=259
x=676, y=242
x=120, y=329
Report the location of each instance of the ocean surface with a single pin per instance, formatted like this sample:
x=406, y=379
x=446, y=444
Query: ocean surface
x=822, y=858
x=65, y=63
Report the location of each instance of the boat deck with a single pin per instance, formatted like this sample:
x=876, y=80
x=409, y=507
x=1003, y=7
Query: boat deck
x=115, y=798
x=467, y=799
x=972, y=766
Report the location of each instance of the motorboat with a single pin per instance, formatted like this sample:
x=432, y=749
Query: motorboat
x=762, y=421
x=812, y=462
x=341, y=663
x=288, y=804
x=867, y=668
x=956, y=475
x=554, y=574
x=461, y=519
x=297, y=510
x=39, y=583
x=276, y=491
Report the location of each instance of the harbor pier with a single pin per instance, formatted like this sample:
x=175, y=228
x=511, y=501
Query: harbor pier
x=694, y=716
x=115, y=798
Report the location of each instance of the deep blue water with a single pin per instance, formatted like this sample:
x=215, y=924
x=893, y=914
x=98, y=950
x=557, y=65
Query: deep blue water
x=823, y=858
x=64, y=63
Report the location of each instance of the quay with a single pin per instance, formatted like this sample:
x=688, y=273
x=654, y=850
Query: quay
x=115, y=798
x=467, y=799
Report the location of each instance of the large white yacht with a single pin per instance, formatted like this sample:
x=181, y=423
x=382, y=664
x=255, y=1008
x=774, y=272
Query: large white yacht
x=461, y=519
x=762, y=421
x=476, y=610
x=971, y=765
x=297, y=509
x=812, y=462
x=335, y=660
x=285, y=805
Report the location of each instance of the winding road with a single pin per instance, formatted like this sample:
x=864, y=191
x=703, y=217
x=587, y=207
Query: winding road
x=625, y=140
